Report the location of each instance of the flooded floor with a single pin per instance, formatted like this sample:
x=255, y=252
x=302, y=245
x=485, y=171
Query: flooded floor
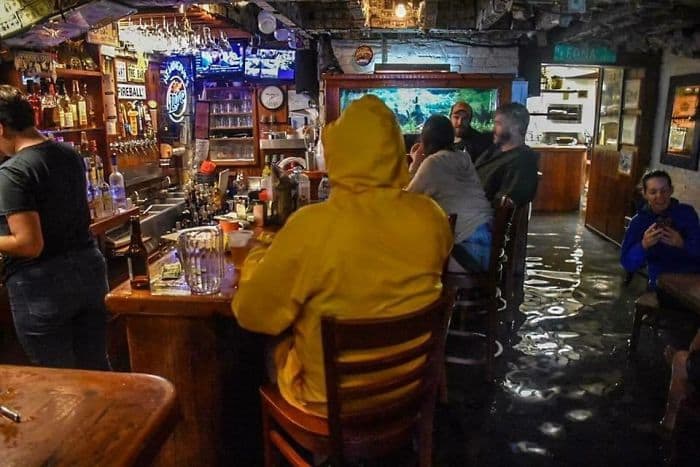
x=566, y=393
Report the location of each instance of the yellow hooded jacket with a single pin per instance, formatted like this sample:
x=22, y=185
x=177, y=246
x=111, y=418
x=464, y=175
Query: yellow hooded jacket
x=370, y=250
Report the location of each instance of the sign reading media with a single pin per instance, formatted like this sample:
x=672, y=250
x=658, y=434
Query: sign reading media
x=176, y=80
x=567, y=53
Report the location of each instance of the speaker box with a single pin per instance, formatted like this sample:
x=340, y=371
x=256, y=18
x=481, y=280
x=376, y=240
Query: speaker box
x=306, y=77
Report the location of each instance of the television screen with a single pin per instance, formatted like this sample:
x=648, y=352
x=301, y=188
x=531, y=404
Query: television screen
x=211, y=62
x=413, y=106
x=273, y=64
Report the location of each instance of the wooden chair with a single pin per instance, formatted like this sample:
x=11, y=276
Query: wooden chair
x=513, y=276
x=353, y=433
x=480, y=293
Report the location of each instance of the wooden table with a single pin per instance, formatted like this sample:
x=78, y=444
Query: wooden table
x=682, y=288
x=216, y=367
x=83, y=418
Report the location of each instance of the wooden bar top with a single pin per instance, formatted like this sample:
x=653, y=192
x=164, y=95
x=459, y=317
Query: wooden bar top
x=684, y=288
x=102, y=225
x=83, y=418
x=124, y=301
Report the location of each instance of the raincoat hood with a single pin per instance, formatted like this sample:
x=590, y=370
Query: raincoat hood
x=364, y=148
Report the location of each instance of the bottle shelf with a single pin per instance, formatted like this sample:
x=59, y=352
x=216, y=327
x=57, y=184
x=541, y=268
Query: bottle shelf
x=232, y=139
x=226, y=114
x=70, y=73
x=70, y=130
x=214, y=128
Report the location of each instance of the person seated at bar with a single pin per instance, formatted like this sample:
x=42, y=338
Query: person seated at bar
x=371, y=250
x=448, y=176
x=685, y=380
x=56, y=277
x=468, y=139
x=509, y=167
x=664, y=235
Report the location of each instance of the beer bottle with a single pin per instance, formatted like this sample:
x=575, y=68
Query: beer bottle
x=137, y=257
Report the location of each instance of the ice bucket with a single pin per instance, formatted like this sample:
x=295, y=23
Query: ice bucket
x=201, y=254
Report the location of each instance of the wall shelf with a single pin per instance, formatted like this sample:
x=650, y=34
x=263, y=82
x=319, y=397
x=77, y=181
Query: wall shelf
x=70, y=73
x=70, y=130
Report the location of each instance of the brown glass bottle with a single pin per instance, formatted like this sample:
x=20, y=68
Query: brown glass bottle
x=137, y=257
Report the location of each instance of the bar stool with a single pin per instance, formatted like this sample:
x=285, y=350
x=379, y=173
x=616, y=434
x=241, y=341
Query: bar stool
x=479, y=293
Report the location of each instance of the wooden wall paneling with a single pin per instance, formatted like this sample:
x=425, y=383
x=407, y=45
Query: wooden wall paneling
x=559, y=188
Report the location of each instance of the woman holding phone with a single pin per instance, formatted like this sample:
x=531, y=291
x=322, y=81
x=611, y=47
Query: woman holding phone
x=664, y=235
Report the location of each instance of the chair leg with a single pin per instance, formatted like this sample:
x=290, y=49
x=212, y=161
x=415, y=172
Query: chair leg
x=490, y=343
x=442, y=385
x=269, y=455
x=425, y=434
x=636, y=325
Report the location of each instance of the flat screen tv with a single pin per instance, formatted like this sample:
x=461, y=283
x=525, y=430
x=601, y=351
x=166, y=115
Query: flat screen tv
x=413, y=106
x=219, y=62
x=269, y=64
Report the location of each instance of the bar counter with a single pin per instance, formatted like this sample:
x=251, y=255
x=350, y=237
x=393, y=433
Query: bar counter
x=215, y=366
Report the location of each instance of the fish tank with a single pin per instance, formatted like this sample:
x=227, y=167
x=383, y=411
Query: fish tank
x=413, y=106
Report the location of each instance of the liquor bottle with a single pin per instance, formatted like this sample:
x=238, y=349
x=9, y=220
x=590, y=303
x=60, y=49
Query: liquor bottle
x=71, y=111
x=35, y=101
x=303, y=187
x=137, y=258
x=49, y=106
x=116, y=183
x=78, y=101
x=102, y=186
x=90, y=106
x=324, y=188
x=63, y=107
x=90, y=190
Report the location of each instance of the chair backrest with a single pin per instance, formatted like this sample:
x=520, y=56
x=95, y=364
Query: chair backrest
x=502, y=220
x=404, y=377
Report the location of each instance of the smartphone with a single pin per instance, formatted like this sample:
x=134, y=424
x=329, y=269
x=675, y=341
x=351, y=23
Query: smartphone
x=663, y=221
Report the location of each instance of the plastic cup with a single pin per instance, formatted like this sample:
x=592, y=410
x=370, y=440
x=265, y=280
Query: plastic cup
x=239, y=244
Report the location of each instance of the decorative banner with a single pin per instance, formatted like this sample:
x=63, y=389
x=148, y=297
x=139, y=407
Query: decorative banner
x=105, y=36
x=33, y=63
x=176, y=81
x=120, y=70
x=363, y=55
x=131, y=91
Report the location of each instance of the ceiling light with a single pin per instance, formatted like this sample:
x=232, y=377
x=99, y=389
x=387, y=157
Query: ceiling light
x=400, y=11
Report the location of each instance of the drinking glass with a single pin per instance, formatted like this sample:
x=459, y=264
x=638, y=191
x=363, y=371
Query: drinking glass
x=201, y=255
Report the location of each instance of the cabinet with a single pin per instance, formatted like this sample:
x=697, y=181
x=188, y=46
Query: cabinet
x=227, y=119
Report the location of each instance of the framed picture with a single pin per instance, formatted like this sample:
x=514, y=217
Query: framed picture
x=681, y=137
x=629, y=129
x=120, y=70
x=624, y=165
x=632, y=89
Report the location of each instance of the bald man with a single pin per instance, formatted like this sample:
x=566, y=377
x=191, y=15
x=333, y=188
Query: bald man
x=467, y=139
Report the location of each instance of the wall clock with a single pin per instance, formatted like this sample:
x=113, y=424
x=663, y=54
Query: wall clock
x=272, y=97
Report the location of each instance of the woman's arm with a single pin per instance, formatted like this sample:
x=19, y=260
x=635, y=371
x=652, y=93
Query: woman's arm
x=25, y=239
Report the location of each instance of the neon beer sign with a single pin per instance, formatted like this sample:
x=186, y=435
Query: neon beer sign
x=176, y=80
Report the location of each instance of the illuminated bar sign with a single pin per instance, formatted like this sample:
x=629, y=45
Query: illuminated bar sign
x=176, y=81
x=567, y=53
x=131, y=91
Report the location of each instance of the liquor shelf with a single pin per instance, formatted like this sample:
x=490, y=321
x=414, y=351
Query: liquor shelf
x=70, y=130
x=70, y=73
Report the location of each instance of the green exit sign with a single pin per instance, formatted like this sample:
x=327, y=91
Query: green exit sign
x=567, y=53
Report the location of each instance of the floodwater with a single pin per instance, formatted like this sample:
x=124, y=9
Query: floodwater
x=565, y=392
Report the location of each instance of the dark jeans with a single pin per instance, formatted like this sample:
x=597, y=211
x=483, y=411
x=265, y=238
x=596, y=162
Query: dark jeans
x=59, y=311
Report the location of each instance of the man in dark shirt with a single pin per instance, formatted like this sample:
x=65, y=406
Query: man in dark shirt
x=55, y=275
x=467, y=139
x=509, y=167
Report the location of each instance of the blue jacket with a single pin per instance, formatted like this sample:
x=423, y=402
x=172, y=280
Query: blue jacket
x=662, y=258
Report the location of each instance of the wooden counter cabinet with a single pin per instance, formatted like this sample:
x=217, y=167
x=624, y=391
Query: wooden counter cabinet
x=215, y=366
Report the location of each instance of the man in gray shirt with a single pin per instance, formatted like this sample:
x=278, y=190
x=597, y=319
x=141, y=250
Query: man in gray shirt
x=449, y=177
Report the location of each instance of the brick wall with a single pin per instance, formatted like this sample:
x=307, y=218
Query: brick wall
x=461, y=58
x=686, y=182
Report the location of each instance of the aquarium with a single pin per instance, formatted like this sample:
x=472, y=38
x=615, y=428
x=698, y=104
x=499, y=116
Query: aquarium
x=413, y=106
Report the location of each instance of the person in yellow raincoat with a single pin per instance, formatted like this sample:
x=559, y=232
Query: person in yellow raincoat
x=370, y=250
